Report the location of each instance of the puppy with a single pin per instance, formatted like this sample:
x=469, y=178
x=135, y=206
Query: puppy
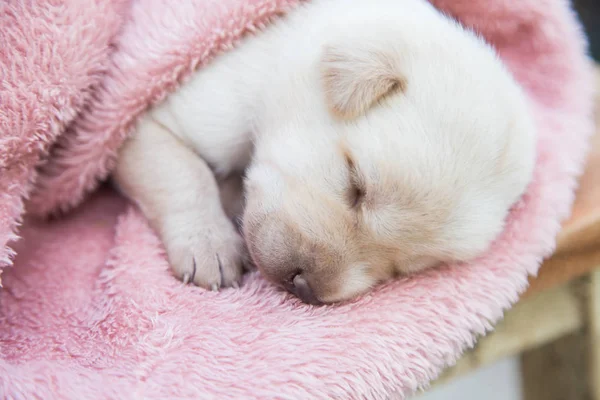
x=377, y=138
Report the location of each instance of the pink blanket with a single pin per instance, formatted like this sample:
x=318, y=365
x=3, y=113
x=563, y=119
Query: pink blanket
x=89, y=309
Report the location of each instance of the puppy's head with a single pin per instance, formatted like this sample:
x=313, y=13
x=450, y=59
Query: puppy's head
x=405, y=149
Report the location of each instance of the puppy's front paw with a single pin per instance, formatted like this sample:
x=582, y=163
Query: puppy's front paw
x=209, y=254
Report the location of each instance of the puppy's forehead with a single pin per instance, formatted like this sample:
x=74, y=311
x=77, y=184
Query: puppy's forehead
x=300, y=150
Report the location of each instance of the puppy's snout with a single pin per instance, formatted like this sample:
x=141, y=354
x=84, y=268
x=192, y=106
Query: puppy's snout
x=300, y=287
x=288, y=260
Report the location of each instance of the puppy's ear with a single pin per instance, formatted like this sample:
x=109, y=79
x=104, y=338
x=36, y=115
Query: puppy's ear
x=354, y=78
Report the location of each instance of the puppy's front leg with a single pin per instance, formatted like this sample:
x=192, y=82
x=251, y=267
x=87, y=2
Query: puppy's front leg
x=177, y=192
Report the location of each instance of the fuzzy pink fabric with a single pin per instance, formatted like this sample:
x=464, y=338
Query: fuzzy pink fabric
x=51, y=54
x=89, y=309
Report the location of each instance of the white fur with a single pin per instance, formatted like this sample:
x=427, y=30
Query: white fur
x=455, y=138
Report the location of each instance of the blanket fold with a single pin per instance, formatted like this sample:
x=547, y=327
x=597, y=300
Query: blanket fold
x=89, y=309
x=52, y=54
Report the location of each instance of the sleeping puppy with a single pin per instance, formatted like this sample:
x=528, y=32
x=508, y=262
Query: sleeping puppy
x=376, y=138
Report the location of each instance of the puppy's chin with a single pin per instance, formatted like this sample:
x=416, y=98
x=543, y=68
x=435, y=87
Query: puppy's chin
x=355, y=280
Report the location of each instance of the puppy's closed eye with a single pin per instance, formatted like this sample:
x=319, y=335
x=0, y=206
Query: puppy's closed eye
x=356, y=191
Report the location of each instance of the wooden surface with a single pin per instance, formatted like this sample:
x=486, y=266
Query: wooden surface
x=557, y=370
x=593, y=336
x=538, y=320
x=578, y=244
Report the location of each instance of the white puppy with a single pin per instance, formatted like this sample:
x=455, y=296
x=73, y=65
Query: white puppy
x=377, y=138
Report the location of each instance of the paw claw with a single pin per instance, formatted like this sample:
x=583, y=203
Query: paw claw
x=187, y=277
x=220, y=269
x=210, y=257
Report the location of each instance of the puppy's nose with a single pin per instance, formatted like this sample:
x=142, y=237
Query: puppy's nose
x=302, y=289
